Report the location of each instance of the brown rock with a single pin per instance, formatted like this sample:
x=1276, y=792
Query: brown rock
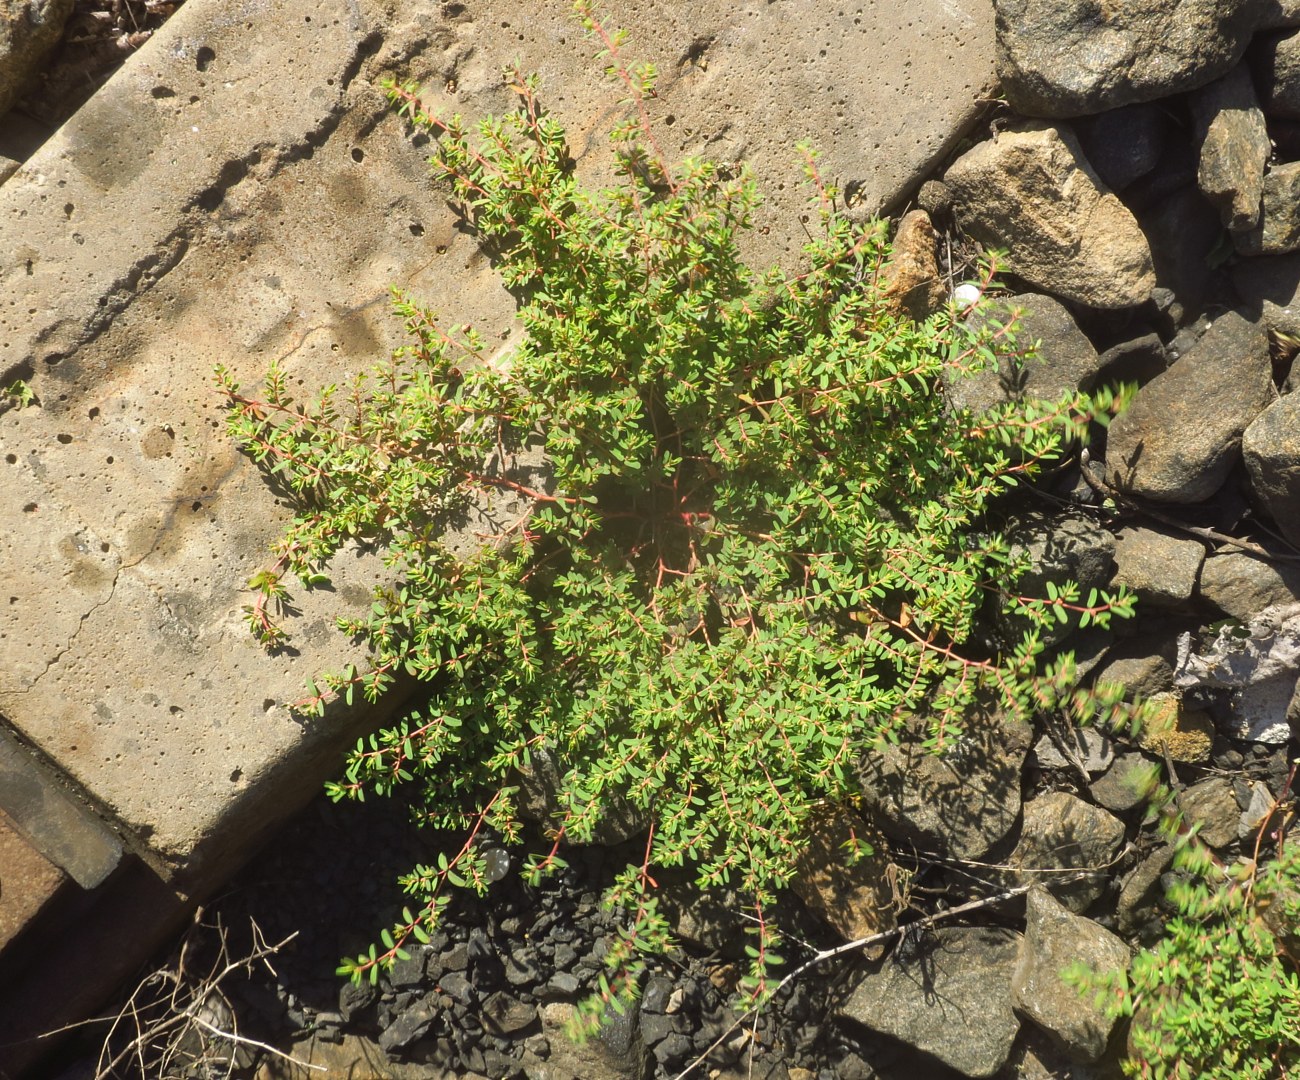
x=1031, y=190
x=854, y=898
x=1186, y=734
x=912, y=282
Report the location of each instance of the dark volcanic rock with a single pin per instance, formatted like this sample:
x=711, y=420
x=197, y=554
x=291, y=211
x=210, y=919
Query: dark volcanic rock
x=1054, y=939
x=1279, y=229
x=1062, y=832
x=953, y=1000
x=963, y=801
x=1275, y=59
x=1271, y=447
x=1069, y=59
x=1124, y=144
x=1064, y=362
x=1182, y=435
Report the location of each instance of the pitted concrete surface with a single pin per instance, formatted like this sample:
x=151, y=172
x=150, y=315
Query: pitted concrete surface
x=240, y=192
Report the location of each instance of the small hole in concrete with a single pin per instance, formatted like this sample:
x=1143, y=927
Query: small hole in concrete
x=109, y=459
x=204, y=57
x=416, y=228
x=68, y=208
x=159, y=92
x=358, y=154
x=103, y=548
x=11, y=458
x=65, y=438
x=93, y=412
x=30, y=508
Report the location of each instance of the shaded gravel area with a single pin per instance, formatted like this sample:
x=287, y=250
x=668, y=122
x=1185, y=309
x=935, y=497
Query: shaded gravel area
x=490, y=993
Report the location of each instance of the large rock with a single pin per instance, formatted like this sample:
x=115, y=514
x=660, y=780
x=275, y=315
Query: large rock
x=1069, y=59
x=852, y=896
x=953, y=1000
x=1055, y=939
x=1031, y=190
x=1271, y=447
x=962, y=801
x=29, y=30
x=1234, y=147
x=1063, y=362
x=1182, y=435
x=1061, y=832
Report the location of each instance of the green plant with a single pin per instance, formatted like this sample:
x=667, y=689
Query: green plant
x=737, y=536
x=1218, y=997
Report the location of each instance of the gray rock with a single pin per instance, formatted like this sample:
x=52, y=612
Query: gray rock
x=1138, y=670
x=1258, y=661
x=410, y=1024
x=1055, y=939
x=1060, y=547
x=1241, y=585
x=1212, y=805
x=1137, y=911
x=1271, y=448
x=1182, y=435
x=1278, y=232
x=1183, y=229
x=1136, y=361
x=507, y=1016
x=1160, y=566
x=1063, y=362
x=563, y=986
x=1062, y=832
x=616, y=1053
x=962, y=801
x=1124, y=144
x=29, y=30
x=1125, y=784
x=1088, y=745
x=1234, y=147
x=1069, y=59
x=1031, y=190
x=1275, y=59
x=953, y=1001
x=1270, y=287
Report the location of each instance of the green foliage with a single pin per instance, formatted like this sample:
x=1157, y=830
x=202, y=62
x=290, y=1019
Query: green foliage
x=1218, y=998
x=18, y=394
x=726, y=533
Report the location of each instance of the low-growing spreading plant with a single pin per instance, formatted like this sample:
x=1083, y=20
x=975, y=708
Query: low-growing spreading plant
x=738, y=534
x=1218, y=997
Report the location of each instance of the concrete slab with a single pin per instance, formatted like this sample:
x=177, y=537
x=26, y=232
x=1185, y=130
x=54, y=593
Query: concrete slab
x=239, y=192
